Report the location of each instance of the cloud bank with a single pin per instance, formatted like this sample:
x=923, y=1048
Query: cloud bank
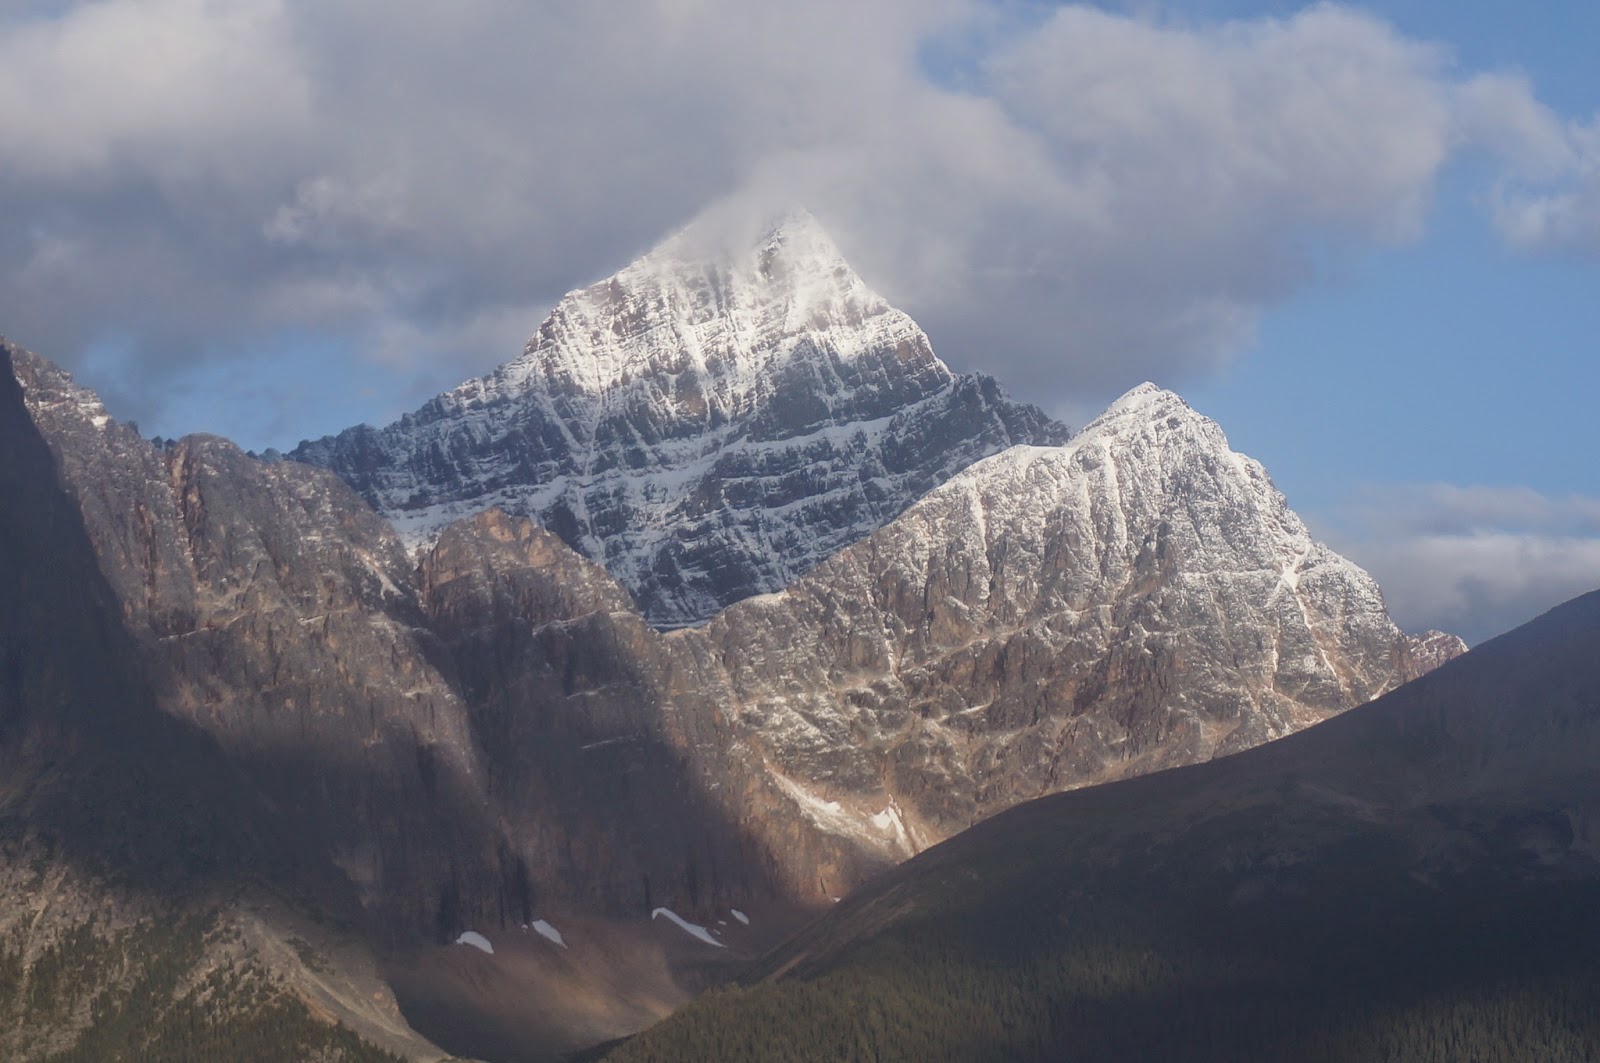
x=1476, y=561
x=1072, y=200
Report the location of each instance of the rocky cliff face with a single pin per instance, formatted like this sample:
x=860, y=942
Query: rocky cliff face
x=433, y=735
x=632, y=784
x=1050, y=618
x=271, y=610
x=498, y=730
x=708, y=424
x=1139, y=598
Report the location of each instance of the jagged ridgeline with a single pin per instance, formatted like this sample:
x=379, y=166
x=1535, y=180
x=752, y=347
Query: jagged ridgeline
x=708, y=424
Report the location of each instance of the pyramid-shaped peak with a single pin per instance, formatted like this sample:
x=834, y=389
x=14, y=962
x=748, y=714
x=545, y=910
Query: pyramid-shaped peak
x=1145, y=394
x=796, y=222
x=1146, y=409
x=799, y=229
x=1147, y=402
x=729, y=297
x=709, y=422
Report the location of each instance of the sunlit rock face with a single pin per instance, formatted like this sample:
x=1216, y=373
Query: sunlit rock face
x=1053, y=617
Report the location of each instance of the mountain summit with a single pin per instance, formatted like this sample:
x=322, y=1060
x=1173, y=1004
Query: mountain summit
x=707, y=424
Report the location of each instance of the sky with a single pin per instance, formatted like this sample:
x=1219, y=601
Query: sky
x=1364, y=238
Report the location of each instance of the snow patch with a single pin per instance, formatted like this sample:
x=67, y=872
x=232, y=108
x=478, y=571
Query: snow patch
x=737, y=914
x=476, y=940
x=692, y=929
x=883, y=830
x=545, y=930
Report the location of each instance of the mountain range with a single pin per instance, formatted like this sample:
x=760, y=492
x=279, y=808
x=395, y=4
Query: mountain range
x=727, y=595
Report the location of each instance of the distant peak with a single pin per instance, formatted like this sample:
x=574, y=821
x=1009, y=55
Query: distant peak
x=794, y=220
x=726, y=299
x=799, y=226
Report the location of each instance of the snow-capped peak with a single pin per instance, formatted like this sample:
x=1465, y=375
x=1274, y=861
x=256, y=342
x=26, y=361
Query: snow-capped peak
x=723, y=307
x=711, y=421
x=1146, y=399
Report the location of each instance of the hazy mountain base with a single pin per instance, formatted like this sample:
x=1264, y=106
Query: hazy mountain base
x=1413, y=881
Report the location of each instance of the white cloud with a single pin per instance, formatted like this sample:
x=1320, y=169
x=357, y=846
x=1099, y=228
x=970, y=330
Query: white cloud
x=153, y=85
x=1476, y=560
x=1562, y=212
x=1105, y=199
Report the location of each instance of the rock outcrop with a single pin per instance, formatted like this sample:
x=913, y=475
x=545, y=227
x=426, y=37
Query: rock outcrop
x=273, y=611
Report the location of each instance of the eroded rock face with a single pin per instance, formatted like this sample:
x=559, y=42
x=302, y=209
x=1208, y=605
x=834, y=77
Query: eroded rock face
x=1051, y=618
x=465, y=743
x=707, y=424
x=272, y=609
x=629, y=780
x=498, y=729
x=1138, y=599
x=1429, y=650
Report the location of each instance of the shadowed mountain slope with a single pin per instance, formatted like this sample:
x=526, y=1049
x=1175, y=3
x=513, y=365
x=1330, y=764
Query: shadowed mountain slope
x=490, y=732
x=1416, y=879
x=127, y=844
x=498, y=729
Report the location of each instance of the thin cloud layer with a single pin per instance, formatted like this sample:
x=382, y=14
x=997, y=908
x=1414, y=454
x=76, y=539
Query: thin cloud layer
x=1073, y=202
x=1476, y=561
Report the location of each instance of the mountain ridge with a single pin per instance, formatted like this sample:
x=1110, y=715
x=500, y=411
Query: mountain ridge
x=706, y=427
x=1051, y=618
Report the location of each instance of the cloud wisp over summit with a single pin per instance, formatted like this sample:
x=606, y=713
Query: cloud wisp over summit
x=1084, y=200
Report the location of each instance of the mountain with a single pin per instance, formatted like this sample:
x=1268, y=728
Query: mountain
x=1416, y=879
x=708, y=424
x=272, y=610
x=136, y=919
x=1050, y=618
x=487, y=732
